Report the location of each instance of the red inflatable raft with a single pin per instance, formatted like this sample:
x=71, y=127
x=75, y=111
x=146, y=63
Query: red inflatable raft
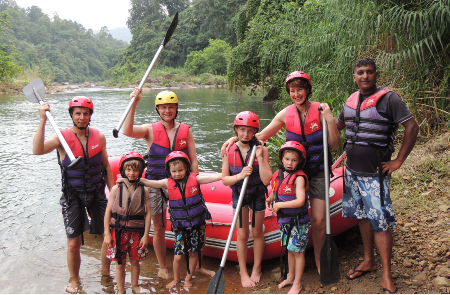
x=218, y=201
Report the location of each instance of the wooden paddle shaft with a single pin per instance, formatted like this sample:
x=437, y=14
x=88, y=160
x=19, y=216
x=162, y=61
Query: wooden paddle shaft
x=236, y=213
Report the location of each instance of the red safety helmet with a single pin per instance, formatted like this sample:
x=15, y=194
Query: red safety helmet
x=298, y=74
x=177, y=155
x=82, y=101
x=246, y=119
x=128, y=157
x=295, y=146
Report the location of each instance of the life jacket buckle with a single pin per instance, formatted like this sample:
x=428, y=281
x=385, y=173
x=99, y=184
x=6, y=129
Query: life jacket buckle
x=357, y=120
x=355, y=129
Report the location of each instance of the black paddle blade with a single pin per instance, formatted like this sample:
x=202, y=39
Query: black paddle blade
x=35, y=90
x=171, y=29
x=217, y=283
x=329, y=262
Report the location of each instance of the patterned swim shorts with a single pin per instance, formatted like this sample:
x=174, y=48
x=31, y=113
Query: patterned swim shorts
x=194, y=237
x=361, y=200
x=129, y=243
x=298, y=239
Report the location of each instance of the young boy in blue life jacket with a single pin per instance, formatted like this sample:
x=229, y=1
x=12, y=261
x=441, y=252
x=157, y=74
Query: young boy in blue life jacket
x=188, y=213
x=235, y=167
x=290, y=193
x=127, y=221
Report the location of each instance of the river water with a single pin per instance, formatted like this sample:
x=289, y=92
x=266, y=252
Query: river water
x=32, y=236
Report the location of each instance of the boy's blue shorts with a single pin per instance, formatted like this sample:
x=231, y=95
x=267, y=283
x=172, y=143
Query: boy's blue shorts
x=361, y=200
x=298, y=239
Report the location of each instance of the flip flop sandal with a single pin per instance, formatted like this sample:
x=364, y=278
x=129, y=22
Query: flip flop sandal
x=363, y=272
x=389, y=291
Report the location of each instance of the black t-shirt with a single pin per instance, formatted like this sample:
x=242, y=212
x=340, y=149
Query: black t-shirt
x=362, y=160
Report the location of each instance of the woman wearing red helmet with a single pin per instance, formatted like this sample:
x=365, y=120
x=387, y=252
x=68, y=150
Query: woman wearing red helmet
x=128, y=216
x=188, y=222
x=84, y=184
x=303, y=123
x=235, y=167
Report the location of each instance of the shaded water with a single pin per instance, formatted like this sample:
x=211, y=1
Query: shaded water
x=33, y=241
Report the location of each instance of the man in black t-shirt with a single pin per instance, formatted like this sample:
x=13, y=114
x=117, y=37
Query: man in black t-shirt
x=371, y=116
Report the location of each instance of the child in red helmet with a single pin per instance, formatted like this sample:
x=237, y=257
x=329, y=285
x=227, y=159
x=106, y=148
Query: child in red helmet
x=290, y=193
x=235, y=168
x=127, y=221
x=188, y=222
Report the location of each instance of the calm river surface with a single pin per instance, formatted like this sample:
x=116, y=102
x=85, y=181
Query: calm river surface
x=32, y=236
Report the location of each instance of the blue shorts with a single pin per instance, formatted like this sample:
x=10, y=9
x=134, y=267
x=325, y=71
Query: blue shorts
x=298, y=239
x=361, y=200
x=248, y=201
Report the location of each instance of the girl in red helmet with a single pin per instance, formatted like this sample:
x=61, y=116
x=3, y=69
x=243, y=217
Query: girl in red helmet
x=303, y=123
x=290, y=193
x=188, y=222
x=235, y=168
x=127, y=221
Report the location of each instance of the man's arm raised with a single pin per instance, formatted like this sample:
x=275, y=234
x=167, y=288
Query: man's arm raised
x=129, y=129
x=40, y=145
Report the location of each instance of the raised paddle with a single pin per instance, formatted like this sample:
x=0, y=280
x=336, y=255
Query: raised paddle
x=34, y=92
x=217, y=283
x=166, y=39
x=329, y=259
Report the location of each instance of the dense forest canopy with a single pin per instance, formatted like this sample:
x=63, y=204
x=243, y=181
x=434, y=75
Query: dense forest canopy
x=58, y=49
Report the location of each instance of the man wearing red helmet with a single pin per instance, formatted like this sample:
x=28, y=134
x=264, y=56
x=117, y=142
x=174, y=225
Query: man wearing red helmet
x=303, y=123
x=161, y=137
x=83, y=184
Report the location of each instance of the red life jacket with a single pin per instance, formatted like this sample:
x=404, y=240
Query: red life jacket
x=186, y=207
x=309, y=134
x=87, y=176
x=160, y=148
x=285, y=192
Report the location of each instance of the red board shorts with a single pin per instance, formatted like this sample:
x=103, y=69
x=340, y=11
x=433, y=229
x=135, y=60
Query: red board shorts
x=129, y=243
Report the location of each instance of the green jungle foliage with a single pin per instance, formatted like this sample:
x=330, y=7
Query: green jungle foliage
x=59, y=49
x=213, y=59
x=409, y=40
x=198, y=22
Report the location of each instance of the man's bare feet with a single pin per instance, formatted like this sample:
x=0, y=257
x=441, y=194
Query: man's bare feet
x=121, y=291
x=163, y=273
x=139, y=290
x=285, y=283
x=205, y=271
x=256, y=276
x=360, y=270
x=247, y=282
x=295, y=289
x=172, y=284
x=72, y=289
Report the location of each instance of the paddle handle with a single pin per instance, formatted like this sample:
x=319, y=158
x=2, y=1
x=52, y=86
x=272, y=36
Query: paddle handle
x=236, y=213
x=58, y=133
x=141, y=84
x=327, y=173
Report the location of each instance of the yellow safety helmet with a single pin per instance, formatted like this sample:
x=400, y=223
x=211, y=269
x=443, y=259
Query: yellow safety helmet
x=166, y=96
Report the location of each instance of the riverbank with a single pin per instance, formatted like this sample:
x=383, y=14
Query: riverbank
x=180, y=81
